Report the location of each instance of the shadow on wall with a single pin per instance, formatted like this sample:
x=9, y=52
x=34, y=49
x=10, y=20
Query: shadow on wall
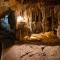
x=7, y=29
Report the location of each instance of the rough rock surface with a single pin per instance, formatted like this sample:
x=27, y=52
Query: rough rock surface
x=31, y=52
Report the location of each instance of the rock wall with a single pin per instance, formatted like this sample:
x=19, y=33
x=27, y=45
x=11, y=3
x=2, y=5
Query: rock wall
x=47, y=12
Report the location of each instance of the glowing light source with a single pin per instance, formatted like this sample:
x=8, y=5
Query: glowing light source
x=20, y=19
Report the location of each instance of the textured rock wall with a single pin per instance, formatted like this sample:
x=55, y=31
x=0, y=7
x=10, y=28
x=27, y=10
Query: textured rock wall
x=26, y=10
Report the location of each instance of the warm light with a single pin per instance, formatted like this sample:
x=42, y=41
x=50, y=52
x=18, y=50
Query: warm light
x=20, y=19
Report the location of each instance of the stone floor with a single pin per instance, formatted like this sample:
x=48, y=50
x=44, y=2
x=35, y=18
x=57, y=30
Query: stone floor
x=31, y=52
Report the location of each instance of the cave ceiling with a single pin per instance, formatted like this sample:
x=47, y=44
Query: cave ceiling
x=47, y=2
x=16, y=3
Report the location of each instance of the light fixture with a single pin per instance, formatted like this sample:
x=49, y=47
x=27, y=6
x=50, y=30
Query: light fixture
x=20, y=19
